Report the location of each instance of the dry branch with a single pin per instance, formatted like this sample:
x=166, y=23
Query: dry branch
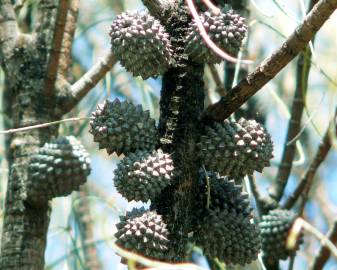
x=271, y=66
x=54, y=57
x=77, y=91
x=69, y=31
x=294, y=125
x=324, y=253
x=308, y=177
x=216, y=77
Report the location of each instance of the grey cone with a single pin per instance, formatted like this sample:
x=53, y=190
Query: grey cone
x=143, y=232
x=141, y=176
x=229, y=236
x=275, y=227
x=223, y=194
x=141, y=44
x=236, y=148
x=58, y=168
x=122, y=127
x=226, y=30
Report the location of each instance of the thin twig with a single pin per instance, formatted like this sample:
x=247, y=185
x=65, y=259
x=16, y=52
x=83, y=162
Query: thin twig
x=300, y=224
x=256, y=194
x=87, y=82
x=324, y=253
x=219, y=84
x=54, y=57
x=207, y=39
x=152, y=264
x=294, y=124
x=308, y=177
x=208, y=203
x=85, y=222
x=271, y=66
x=14, y=130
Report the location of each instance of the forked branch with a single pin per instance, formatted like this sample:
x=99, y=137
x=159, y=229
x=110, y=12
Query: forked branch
x=75, y=93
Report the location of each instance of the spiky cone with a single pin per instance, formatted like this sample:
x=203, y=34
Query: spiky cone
x=275, y=228
x=122, y=127
x=220, y=192
x=224, y=228
x=58, y=168
x=141, y=176
x=236, y=148
x=141, y=44
x=229, y=236
x=143, y=232
x=226, y=30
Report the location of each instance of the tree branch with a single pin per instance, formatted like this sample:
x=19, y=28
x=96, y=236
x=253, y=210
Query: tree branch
x=68, y=36
x=264, y=203
x=218, y=83
x=73, y=94
x=159, y=8
x=268, y=69
x=308, y=177
x=45, y=22
x=54, y=57
x=294, y=124
x=9, y=30
x=324, y=253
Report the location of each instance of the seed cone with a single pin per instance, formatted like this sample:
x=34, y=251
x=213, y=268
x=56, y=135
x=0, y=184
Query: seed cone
x=122, y=127
x=275, y=228
x=143, y=232
x=223, y=194
x=229, y=236
x=58, y=168
x=141, y=44
x=225, y=229
x=235, y=148
x=226, y=30
x=143, y=175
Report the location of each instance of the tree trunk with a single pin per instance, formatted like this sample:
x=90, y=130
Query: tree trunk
x=25, y=224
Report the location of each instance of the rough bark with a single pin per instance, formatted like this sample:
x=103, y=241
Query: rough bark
x=25, y=225
x=24, y=61
x=181, y=104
